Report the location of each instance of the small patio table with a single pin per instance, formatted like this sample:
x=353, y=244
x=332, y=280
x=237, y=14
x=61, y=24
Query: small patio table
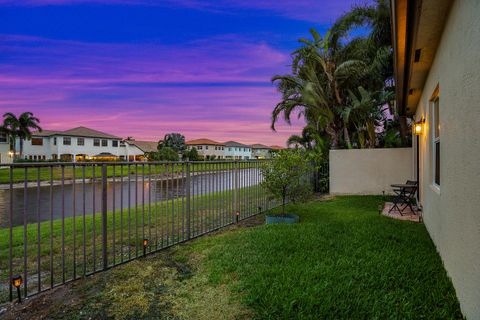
x=404, y=194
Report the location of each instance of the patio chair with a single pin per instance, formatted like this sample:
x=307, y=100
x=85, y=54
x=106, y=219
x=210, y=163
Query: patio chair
x=405, y=196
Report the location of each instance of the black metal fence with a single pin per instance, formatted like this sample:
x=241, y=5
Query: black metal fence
x=63, y=221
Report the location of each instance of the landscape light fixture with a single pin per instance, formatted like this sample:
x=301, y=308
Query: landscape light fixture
x=17, y=283
x=145, y=245
x=418, y=128
x=237, y=216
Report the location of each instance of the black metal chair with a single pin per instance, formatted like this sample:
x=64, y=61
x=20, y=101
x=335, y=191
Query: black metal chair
x=405, y=196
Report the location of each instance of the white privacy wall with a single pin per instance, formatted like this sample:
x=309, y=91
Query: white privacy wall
x=369, y=171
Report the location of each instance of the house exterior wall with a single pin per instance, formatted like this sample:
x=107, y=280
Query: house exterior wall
x=369, y=171
x=452, y=212
x=238, y=153
x=261, y=153
x=4, y=149
x=209, y=150
x=48, y=149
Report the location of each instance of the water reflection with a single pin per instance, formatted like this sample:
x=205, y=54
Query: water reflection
x=88, y=197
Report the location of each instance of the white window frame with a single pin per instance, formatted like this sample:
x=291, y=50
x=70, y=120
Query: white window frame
x=435, y=103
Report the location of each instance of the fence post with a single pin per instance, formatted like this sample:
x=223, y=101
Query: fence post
x=187, y=195
x=104, y=217
x=236, y=192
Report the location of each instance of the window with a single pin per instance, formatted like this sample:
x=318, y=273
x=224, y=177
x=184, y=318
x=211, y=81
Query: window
x=206, y=147
x=96, y=142
x=229, y=149
x=37, y=142
x=54, y=141
x=3, y=138
x=67, y=141
x=115, y=143
x=80, y=141
x=104, y=143
x=436, y=141
x=199, y=147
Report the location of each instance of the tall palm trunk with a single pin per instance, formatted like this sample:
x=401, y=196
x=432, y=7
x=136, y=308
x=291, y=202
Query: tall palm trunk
x=21, y=149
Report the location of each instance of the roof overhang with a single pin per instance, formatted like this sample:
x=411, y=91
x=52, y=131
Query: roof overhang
x=417, y=27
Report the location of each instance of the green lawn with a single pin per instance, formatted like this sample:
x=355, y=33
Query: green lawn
x=44, y=173
x=342, y=261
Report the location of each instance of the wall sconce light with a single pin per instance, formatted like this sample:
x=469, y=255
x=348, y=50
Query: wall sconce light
x=418, y=128
x=17, y=282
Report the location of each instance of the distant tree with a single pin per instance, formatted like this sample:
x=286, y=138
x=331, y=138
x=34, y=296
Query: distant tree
x=20, y=127
x=176, y=141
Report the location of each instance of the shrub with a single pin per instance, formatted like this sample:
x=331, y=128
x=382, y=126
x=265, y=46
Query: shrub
x=286, y=176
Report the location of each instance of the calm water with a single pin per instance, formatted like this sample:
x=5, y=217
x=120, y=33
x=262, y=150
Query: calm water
x=156, y=191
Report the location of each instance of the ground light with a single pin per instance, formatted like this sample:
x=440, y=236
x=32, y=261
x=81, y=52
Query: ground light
x=237, y=216
x=17, y=283
x=145, y=245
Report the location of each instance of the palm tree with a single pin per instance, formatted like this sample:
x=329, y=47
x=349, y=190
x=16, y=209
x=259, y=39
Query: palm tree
x=321, y=77
x=20, y=127
x=378, y=51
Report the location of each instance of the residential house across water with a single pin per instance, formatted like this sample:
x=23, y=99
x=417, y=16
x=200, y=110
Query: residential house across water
x=5, y=155
x=207, y=148
x=260, y=151
x=237, y=151
x=78, y=144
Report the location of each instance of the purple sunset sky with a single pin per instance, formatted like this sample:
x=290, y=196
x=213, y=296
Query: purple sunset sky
x=146, y=68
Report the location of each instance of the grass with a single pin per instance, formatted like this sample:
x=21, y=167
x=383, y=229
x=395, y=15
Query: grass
x=44, y=173
x=163, y=223
x=342, y=261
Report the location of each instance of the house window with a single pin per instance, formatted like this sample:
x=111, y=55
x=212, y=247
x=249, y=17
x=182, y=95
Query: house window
x=206, y=147
x=436, y=141
x=229, y=149
x=37, y=142
x=80, y=141
x=67, y=141
x=96, y=142
x=54, y=141
x=3, y=138
x=199, y=147
x=104, y=143
x=115, y=143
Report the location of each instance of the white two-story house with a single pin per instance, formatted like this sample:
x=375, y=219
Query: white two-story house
x=78, y=144
x=207, y=148
x=237, y=151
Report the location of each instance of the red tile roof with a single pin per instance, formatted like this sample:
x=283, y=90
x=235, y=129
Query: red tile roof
x=204, y=142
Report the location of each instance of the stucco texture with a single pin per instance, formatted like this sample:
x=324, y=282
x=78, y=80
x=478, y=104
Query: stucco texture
x=452, y=212
x=369, y=171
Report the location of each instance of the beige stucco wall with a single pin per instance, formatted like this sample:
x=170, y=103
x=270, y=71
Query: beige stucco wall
x=369, y=171
x=452, y=213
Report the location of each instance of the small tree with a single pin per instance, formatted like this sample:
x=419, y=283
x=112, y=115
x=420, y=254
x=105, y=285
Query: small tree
x=286, y=176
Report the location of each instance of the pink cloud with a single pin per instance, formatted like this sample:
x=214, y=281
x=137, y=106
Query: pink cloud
x=217, y=88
